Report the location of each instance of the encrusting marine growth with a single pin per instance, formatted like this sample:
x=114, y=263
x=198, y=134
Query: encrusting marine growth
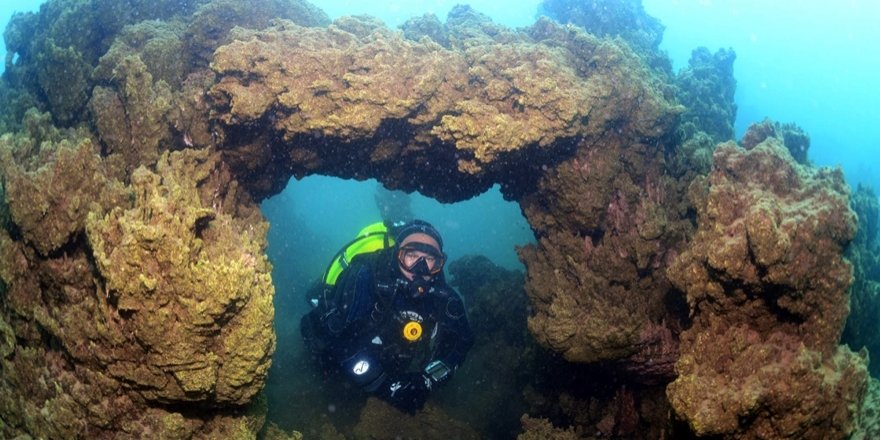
x=676, y=276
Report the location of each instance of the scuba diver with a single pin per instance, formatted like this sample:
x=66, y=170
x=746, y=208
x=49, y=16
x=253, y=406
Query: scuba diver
x=387, y=321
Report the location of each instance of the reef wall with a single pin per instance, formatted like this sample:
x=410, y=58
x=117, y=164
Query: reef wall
x=136, y=299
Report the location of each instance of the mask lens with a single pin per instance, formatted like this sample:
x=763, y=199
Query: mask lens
x=421, y=259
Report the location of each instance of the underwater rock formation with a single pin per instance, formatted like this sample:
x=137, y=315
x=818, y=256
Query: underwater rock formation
x=609, y=18
x=135, y=297
x=464, y=27
x=55, y=58
x=130, y=115
x=869, y=420
x=379, y=420
x=456, y=118
x=542, y=429
x=53, y=179
x=192, y=284
x=706, y=87
x=125, y=299
x=606, y=221
x=210, y=24
x=862, y=326
x=767, y=287
x=427, y=25
x=793, y=137
x=474, y=117
x=273, y=432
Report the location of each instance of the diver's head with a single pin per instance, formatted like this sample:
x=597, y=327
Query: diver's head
x=419, y=250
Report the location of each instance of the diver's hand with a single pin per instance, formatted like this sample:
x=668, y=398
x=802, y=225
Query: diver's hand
x=407, y=392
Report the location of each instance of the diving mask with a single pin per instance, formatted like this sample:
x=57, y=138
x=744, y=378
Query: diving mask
x=421, y=259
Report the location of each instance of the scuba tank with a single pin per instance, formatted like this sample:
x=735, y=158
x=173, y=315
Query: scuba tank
x=372, y=238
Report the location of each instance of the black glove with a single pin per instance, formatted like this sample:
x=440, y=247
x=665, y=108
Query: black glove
x=406, y=392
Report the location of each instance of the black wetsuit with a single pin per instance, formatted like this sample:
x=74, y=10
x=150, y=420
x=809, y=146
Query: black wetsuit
x=359, y=330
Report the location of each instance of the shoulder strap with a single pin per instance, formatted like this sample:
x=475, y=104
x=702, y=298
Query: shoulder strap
x=386, y=285
x=370, y=239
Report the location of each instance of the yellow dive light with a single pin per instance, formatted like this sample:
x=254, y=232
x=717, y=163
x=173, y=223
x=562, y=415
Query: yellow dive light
x=412, y=331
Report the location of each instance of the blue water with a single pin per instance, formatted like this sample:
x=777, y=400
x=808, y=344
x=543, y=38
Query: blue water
x=812, y=62
x=334, y=210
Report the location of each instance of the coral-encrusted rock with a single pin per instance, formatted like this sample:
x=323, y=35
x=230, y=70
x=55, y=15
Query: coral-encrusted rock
x=607, y=218
x=869, y=422
x=212, y=21
x=767, y=286
x=57, y=50
x=626, y=19
x=191, y=283
x=131, y=118
x=329, y=81
x=379, y=420
x=608, y=221
x=52, y=181
x=158, y=44
x=427, y=25
x=706, y=88
x=472, y=111
x=867, y=207
x=862, y=326
x=542, y=429
x=575, y=312
x=90, y=351
x=58, y=47
x=784, y=389
x=773, y=231
x=794, y=138
x=65, y=92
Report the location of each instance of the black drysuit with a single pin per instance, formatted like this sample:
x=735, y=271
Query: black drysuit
x=358, y=330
